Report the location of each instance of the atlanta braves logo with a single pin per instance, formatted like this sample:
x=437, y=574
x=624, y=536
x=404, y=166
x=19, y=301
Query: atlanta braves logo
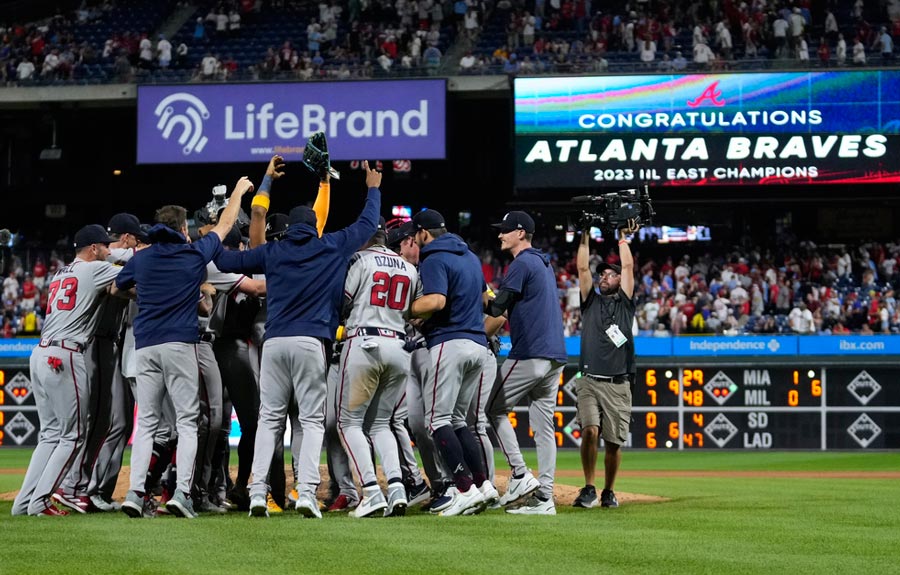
x=711, y=94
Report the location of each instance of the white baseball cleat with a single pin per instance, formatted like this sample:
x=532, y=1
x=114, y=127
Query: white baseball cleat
x=307, y=506
x=463, y=501
x=397, y=502
x=534, y=506
x=372, y=504
x=518, y=488
x=258, y=506
x=489, y=496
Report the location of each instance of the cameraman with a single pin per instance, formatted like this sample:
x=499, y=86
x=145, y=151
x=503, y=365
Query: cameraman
x=607, y=365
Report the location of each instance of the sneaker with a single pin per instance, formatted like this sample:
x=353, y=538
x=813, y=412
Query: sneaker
x=76, y=503
x=587, y=497
x=134, y=505
x=207, y=506
x=258, y=506
x=164, y=499
x=294, y=495
x=489, y=497
x=372, y=503
x=181, y=506
x=273, y=507
x=462, y=501
x=518, y=488
x=443, y=501
x=608, y=498
x=240, y=498
x=342, y=503
x=308, y=507
x=51, y=511
x=101, y=505
x=397, y=501
x=534, y=506
x=418, y=494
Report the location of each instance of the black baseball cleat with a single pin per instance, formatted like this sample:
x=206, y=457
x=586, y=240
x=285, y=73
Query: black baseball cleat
x=587, y=497
x=608, y=498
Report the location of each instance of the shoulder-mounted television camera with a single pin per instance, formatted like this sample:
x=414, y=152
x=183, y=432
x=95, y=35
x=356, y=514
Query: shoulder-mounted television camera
x=612, y=211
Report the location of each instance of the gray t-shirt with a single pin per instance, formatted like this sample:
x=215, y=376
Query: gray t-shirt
x=76, y=291
x=599, y=355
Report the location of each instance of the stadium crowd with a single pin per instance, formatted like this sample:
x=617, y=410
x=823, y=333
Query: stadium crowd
x=801, y=288
x=122, y=40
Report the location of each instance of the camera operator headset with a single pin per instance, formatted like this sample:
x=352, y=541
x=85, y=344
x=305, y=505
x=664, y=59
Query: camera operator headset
x=607, y=364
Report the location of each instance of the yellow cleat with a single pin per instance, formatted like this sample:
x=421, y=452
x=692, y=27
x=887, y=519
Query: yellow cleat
x=272, y=506
x=293, y=495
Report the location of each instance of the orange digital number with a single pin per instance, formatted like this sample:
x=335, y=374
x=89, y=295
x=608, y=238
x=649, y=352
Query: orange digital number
x=530, y=432
x=694, y=398
x=688, y=439
x=1, y=438
x=513, y=420
x=699, y=437
x=686, y=377
x=2, y=378
x=698, y=376
x=559, y=419
x=2, y=418
x=673, y=386
x=559, y=398
x=816, y=388
x=673, y=430
x=796, y=377
x=2, y=397
x=650, y=378
x=559, y=439
x=698, y=419
x=651, y=440
x=793, y=398
x=652, y=394
x=651, y=420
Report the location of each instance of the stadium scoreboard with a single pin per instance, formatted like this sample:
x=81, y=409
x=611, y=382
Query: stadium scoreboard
x=797, y=405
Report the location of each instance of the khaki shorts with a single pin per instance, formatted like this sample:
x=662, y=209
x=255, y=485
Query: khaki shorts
x=604, y=405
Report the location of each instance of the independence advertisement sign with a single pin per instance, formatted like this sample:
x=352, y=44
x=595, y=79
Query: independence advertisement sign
x=718, y=129
x=251, y=122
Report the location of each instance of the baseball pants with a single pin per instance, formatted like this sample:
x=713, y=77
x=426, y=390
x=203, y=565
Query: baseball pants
x=477, y=419
x=210, y=422
x=235, y=365
x=61, y=394
x=374, y=372
x=338, y=462
x=101, y=361
x=171, y=368
x=458, y=368
x=538, y=380
x=291, y=364
x=420, y=370
x=109, y=460
x=408, y=464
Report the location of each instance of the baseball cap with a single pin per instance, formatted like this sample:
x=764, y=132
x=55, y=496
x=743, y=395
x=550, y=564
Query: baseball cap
x=428, y=220
x=144, y=236
x=400, y=233
x=302, y=215
x=233, y=238
x=276, y=224
x=91, y=234
x=516, y=221
x=605, y=266
x=124, y=224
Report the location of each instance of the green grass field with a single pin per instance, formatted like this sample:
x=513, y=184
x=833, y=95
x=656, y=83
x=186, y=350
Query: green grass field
x=718, y=524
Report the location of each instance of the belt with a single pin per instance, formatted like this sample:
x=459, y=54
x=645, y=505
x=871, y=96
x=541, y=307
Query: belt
x=67, y=345
x=608, y=379
x=207, y=336
x=378, y=332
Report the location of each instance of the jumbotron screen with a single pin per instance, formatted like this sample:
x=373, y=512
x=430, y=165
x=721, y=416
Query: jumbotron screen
x=715, y=129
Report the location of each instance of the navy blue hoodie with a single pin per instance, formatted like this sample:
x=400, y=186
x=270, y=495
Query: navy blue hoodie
x=305, y=273
x=448, y=268
x=168, y=275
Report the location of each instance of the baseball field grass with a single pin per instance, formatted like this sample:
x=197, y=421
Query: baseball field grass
x=724, y=512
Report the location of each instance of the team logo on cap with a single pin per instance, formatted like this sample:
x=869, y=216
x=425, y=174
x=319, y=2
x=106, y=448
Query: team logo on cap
x=189, y=120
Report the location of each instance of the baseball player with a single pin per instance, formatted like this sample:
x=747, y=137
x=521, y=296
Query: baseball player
x=379, y=288
x=166, y=334
x=529, y=296
x=343, y=491
x=59, y=375
x=304, y=279
x=454, y=331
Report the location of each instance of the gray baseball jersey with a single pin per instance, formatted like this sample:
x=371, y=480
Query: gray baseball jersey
x=75, y=292
x=380, y=284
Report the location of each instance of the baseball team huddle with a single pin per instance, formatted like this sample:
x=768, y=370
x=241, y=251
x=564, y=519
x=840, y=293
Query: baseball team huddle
x=360, y=337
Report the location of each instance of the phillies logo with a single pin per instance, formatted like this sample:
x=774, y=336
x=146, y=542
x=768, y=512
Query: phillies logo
x=711, y=94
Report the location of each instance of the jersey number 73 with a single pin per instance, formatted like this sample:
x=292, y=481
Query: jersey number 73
x=66, y=301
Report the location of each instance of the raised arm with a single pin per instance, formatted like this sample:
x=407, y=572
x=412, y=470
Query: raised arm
x=627, y=260
x=230, y=213
x=358, y=233
x=585, y=279
x=322, y=204
x=259, y=209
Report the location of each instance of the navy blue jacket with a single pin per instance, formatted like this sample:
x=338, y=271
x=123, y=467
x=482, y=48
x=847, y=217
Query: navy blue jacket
x=535, y=316
x=305, y=273
x=448, y=268
x=168, y=275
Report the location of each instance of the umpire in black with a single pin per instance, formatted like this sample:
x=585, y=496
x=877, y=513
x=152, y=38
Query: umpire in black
x=607, y=365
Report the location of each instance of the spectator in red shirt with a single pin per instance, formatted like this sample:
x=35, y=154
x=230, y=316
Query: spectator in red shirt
x=8, y=332
x=40, y=274
x=29, y=293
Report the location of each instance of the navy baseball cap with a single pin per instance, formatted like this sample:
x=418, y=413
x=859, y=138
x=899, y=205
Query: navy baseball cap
x=276, y=224
x=302, y=215
x=428, y=220
x=400, y=233
x=91, y=234
x=233, y=238
x=516, y=221
x=124, y=224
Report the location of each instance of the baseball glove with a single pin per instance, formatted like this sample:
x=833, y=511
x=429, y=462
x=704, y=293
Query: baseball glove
x=315, y=157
